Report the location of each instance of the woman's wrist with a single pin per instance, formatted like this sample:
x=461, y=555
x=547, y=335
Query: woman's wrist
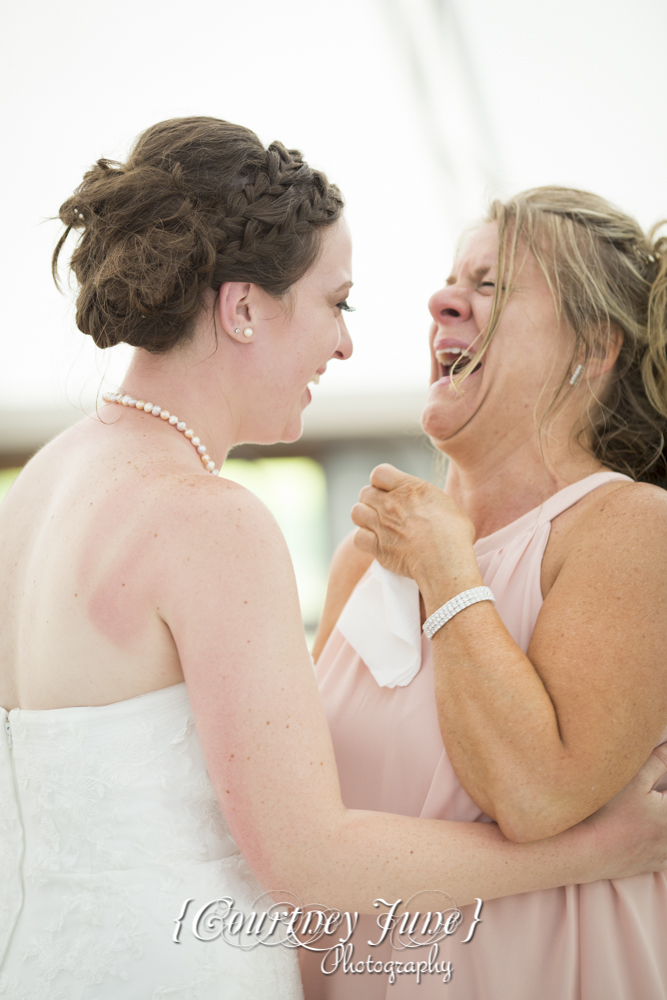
x=441, y=579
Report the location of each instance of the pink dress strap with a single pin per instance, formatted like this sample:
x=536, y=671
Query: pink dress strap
x=510, y=559
x=547, y=511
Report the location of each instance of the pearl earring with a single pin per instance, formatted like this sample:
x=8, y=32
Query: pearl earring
x=576, y=377
x=247, y=332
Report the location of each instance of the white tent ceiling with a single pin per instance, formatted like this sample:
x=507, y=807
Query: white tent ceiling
x=419, y=110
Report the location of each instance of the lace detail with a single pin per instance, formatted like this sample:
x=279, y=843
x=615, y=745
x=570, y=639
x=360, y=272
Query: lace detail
x=121, y=825
x=11, y=843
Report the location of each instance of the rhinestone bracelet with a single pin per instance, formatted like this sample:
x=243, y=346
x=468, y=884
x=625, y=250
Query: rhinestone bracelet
x=451, y=608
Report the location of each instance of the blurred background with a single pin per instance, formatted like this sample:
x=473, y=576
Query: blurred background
x=420, y=110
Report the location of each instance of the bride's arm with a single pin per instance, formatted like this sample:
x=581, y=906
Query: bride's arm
x=228, y=595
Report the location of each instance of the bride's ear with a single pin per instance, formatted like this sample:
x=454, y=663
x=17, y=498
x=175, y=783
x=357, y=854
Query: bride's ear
x=233, y=310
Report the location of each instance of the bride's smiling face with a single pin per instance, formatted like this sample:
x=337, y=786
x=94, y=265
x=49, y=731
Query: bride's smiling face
x=526, y=359
x=293, y=340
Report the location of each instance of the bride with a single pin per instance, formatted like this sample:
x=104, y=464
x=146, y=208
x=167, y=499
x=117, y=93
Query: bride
x=159, y=701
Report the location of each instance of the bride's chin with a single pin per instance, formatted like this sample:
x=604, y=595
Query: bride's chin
x=292, y=432
x=293, y=427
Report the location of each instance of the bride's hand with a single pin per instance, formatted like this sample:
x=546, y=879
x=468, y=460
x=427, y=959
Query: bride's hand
x=631, y=830
x=412, y=527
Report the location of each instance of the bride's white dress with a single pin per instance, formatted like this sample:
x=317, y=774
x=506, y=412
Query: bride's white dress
x=108, y=823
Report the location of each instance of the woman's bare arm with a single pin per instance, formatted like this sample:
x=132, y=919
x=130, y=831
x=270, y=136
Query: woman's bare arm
x=229, y=598
x=541, y=740
x=347, y=568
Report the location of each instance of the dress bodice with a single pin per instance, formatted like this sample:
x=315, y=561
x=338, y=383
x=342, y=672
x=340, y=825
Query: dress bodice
x=109, y=821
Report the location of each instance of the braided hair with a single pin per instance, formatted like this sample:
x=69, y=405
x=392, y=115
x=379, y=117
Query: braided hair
x=199, y=201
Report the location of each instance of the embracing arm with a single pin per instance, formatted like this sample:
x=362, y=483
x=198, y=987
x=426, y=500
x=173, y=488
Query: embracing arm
x=231, y=605
x=347, y=568
x=542, y=740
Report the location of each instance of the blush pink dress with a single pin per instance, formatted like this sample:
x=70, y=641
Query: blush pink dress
x=601, y=941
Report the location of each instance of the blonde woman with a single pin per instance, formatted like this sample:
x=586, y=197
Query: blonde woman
x=549, y=397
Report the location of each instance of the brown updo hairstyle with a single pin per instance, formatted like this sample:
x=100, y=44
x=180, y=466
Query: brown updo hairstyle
x=605, y=274
x=199, y=201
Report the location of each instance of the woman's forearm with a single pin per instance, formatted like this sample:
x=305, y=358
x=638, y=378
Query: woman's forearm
x=499, y=725
x=347, y=568
x=535, y=748
x=501, y=731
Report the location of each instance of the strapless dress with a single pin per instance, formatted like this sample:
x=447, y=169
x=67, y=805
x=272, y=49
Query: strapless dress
x=108, y=824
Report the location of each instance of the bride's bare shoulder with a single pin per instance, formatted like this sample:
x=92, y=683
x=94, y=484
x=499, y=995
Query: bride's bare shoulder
x=212, y=518
x=225, y=576
x=212, y=497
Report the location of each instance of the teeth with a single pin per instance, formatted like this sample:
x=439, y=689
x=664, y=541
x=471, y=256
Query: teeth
x=315, y=379
x=442, y=356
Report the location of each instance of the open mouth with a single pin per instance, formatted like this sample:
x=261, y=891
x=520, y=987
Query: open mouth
x=454, y=358
x=315, y=380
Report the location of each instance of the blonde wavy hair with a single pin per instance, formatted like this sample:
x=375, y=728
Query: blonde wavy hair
x=605, y=274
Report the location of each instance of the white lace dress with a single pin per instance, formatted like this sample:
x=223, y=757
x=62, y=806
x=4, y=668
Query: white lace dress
x=108, y=823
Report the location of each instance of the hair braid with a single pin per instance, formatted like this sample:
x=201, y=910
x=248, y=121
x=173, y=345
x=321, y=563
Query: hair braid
x=199, y=202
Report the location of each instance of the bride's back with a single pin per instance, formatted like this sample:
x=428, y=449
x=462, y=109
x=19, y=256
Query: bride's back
x=80, y=548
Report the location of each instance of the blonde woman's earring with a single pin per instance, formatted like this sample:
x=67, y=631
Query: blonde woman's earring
x=247, y=332
x=576, y=376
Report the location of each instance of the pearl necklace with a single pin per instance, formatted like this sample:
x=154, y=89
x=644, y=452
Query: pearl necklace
x=180, y=425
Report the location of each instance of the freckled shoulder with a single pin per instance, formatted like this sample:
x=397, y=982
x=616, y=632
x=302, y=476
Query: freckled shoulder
x=613, y=518
x=629, y=507
x=211, y=513
x=214, y=499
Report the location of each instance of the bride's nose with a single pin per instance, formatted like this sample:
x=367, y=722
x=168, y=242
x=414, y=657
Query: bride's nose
x=450, y=306
x=344, y=350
